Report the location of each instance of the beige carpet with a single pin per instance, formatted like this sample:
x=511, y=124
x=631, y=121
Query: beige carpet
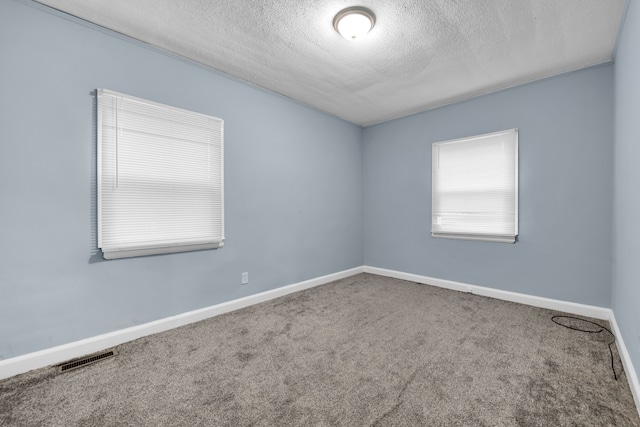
x=365, y=350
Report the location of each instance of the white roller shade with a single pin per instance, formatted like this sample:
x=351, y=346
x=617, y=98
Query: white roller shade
x=160, y=178
x=475, y=187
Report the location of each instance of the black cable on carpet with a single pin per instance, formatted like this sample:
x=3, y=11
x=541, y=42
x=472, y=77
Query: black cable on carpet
x=591, y=331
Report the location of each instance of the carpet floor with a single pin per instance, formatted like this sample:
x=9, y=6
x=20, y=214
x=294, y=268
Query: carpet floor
x=362, y=351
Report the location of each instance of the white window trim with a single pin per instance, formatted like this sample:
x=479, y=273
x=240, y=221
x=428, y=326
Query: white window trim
x=489, y=237
x=126, y=249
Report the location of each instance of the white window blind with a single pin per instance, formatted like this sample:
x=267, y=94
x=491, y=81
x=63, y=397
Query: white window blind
x=475, y=187
x=160, y=178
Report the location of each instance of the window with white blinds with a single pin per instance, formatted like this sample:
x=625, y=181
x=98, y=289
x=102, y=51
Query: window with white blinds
x=160, y=178
x=475, y=187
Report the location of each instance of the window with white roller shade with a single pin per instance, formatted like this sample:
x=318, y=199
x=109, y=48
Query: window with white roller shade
x=475, y=187
x=160, y=178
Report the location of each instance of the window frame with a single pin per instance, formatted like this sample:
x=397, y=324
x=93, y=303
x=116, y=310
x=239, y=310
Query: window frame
x=454, y=231
x=211, y=193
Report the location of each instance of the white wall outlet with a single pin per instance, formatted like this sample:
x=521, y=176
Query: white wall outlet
x=245, y=278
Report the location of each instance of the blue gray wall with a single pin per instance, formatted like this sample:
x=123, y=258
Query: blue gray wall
x=626, y=242
x=566, y=179
x=293, y=186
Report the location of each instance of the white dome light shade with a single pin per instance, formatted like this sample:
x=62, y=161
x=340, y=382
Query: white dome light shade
x=354, y=22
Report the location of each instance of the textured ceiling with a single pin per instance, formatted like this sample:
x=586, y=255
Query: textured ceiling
x=420, y=54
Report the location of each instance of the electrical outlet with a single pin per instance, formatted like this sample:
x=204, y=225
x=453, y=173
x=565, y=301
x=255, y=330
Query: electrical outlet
x=245, y=278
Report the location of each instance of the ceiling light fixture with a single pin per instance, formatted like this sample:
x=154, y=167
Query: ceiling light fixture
x=354, y=22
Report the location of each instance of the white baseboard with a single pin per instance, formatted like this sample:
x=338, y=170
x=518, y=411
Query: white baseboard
x=55, y=355
x=632, y=377
x=552, y=304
